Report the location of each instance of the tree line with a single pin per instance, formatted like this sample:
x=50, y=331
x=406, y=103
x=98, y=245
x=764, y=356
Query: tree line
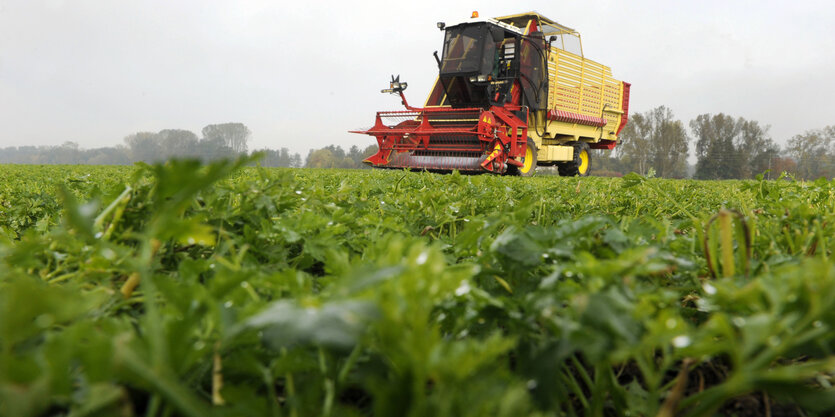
x=217, y=141
x=652, y=143
x=655, y=142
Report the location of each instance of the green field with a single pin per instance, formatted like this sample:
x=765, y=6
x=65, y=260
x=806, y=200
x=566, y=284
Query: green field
x=221, y=290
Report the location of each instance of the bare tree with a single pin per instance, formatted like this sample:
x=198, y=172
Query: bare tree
x=715, y=149
x=634, y=147
x=143, y=146
x=654, y=139
x=668, y=144
x=232, y=135
x=177, y=143
x=731, y=148
x=814, y=153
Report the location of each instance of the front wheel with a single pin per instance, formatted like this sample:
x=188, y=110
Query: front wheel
x=528, y=167
x=580, y=165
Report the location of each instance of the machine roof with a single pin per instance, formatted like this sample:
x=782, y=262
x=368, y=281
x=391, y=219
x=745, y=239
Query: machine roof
x=549, y=27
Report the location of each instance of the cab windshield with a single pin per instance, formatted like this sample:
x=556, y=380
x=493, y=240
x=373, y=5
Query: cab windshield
x=468, y=49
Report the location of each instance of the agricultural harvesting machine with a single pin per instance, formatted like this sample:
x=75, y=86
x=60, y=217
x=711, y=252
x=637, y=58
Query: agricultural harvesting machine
x=512, y=93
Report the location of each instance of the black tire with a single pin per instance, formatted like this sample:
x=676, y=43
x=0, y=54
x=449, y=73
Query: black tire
x=581, y=165
x=528, y=170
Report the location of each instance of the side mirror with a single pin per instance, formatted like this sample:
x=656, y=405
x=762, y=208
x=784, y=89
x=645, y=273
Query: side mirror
x=441, y=25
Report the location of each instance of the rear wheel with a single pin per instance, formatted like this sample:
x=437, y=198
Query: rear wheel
x=580, y=165
x=528, y=167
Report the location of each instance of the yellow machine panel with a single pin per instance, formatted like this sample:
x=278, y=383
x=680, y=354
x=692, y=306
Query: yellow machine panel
x=585, y=103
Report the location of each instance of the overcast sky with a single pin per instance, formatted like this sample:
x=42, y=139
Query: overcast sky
x=301, y=74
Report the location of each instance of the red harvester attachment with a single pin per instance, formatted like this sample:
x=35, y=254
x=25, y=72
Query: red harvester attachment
x=445, y=138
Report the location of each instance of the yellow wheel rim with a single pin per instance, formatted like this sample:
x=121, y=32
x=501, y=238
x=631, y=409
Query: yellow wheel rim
x=584, y=161
x=527, y=161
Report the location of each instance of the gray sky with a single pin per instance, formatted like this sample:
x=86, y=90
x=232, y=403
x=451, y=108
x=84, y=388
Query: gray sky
x=300, y=74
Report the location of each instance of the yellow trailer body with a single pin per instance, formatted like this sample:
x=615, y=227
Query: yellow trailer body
x=585, y=103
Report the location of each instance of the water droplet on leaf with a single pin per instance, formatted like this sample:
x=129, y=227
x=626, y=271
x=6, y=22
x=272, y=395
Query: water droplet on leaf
x=463, y=289
x=709, y=289
x=421, y=259
x=681, y=341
